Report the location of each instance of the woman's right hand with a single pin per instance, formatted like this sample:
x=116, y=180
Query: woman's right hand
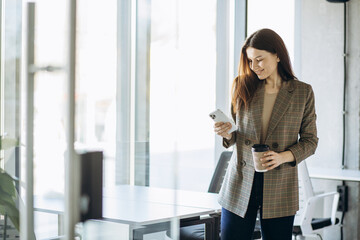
x=222, y=129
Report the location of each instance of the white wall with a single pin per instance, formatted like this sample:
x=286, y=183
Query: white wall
x=322, y=67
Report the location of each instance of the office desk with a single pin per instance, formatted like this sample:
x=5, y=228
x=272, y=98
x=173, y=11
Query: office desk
x=335, y=174
x=163, y=195
x=148, y=210
x=157, y=206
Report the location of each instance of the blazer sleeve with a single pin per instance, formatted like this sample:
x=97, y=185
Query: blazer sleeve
x=308, y=140
x=229, y=143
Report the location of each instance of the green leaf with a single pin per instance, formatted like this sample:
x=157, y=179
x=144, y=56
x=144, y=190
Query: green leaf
x=7, y=184
x=16, y=221
x=5, y=197
x=8, y=208
x=12, y=212
x=8, y=194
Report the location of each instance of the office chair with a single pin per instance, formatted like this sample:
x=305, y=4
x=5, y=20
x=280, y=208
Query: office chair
x=197, y=232
x=305, y=225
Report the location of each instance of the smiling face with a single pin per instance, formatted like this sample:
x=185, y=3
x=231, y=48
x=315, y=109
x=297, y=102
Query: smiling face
x=262, y=63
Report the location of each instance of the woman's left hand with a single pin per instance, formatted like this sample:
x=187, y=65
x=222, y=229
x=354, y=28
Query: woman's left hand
x=273, y=159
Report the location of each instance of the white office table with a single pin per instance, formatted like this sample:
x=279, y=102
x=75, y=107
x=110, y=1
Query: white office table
x=157, y=206
x=164, y=196
x=335, y=174
x=148, y=210
x=140, y=213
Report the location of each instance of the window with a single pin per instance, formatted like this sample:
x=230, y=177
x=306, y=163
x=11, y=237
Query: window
x=277, y=15
x=96, y=81
x=182, y=93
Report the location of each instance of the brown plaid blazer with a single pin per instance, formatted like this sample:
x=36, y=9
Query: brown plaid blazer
x=292, y=127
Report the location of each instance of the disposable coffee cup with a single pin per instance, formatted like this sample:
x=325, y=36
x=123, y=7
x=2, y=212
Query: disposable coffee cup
x=258, y=151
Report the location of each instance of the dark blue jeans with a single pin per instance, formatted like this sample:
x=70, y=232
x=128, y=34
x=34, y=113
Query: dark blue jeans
x=234, y=227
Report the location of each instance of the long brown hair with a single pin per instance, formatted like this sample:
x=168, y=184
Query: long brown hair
x=246, y=83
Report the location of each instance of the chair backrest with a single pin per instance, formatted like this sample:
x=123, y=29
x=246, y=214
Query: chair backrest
x=306, y=223
x=305, y=184
x=220, y=171
x=305, y=190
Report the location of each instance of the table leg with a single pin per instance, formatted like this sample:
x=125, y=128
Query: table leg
x=209, y=230
x=138, y=234
x=216, y=226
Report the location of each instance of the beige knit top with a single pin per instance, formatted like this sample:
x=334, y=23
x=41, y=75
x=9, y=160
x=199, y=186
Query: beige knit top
x=269, y=101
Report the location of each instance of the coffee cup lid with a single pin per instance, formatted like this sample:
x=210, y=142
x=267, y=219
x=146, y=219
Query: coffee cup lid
x=260, y=148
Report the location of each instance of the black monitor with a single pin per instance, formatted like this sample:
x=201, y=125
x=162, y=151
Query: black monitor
x=91, y=182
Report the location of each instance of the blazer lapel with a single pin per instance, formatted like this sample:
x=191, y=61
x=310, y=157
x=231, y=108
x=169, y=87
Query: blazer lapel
x=256, y=108
x=282, y=103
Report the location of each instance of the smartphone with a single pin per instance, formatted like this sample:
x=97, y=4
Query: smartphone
x=219, y=116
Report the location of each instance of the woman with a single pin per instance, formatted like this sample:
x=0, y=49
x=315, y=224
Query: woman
x=270, y=106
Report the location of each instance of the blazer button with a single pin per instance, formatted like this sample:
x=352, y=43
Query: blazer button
x=247, y=142
x=275, y=145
